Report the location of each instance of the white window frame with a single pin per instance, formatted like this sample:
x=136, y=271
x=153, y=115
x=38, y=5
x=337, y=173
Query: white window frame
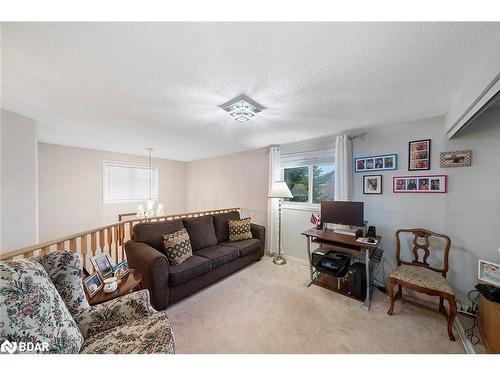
x=309, y=205
x=154, y=190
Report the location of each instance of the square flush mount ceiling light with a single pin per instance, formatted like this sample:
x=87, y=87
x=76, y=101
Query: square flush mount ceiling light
x=242, y=108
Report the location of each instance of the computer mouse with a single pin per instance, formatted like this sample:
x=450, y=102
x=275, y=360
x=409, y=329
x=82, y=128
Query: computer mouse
x=371, y=240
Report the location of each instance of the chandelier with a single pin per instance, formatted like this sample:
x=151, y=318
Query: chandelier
x=151, y=210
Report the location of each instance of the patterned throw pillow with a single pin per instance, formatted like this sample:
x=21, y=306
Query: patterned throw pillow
x=177, y=246
x=239, y=230
x=32, y=311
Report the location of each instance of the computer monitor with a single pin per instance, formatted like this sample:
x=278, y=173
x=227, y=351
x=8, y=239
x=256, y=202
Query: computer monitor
x=346, y=213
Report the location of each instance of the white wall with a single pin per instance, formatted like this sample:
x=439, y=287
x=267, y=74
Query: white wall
x=235, y=180
x=70, y=194
x=468, y=213
x=0, y=138
x=19, y=181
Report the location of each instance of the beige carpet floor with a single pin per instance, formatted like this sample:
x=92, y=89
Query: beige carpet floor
x=267, y=309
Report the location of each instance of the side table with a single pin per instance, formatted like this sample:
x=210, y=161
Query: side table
x=128, y=284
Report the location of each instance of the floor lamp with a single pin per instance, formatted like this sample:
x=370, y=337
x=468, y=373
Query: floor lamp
x=279, y=190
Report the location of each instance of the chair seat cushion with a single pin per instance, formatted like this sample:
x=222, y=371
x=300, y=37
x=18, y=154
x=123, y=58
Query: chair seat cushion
x=152, y=334
x=219, y=255
x=245, y=246
x=192, y=267
x=32, y=311
x=422, y=277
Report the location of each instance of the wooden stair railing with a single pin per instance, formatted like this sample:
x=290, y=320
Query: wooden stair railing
x=107, y=239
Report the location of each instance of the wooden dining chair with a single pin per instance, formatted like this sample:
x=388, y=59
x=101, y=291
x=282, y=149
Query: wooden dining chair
x=419, y=276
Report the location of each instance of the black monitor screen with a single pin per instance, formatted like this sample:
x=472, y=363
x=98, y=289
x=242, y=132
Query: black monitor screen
x=347, y=213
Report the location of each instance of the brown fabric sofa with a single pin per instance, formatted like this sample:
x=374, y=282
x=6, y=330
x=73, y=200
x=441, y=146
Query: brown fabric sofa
x=214, y=257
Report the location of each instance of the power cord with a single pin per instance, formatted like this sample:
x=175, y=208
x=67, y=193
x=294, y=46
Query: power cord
x=474, y=304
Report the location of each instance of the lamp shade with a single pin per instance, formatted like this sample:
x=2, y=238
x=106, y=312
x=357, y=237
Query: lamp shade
x=280, y=190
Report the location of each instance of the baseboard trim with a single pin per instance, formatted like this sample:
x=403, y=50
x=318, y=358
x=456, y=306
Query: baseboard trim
x=469, y=348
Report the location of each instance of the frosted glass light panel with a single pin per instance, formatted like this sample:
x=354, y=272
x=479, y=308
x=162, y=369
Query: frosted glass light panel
x=242, y=108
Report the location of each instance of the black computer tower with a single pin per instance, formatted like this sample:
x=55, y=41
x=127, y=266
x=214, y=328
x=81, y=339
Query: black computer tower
x=356, y=280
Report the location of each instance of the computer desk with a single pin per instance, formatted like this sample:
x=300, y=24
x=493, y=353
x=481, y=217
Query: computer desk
x=345, y=244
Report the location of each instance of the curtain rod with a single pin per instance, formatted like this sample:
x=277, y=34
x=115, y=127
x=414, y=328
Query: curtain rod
x=360, y=135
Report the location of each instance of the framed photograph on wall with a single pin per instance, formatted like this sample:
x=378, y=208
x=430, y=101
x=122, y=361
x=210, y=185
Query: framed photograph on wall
x=420, y=184
x=376, y=163
x=372, y=184
x=419, y=155
x=453, y=159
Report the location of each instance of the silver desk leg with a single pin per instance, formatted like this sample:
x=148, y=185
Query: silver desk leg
x=309, y=256
x=368, y=298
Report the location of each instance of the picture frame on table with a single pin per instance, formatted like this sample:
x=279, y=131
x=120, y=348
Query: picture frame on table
x=387, y=162
x=372, y=184
x=419, y=155
x=420, y=184
x=489, y=272
x=103, y=265
x=121, y=269
x=93, y=284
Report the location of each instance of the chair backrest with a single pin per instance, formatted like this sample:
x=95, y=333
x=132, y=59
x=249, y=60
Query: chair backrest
x=419, y=235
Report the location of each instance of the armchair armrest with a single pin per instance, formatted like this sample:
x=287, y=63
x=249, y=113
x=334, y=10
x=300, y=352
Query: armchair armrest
x=116, y=312
x=259, y=232
x=153, y=266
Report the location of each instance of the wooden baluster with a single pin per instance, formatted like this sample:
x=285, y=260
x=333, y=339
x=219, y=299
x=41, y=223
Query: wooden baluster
x=110, y=241
x=117, y=241
x=60, y=246
x=72, y=245
x=101, y=240
x=93, y=249
x=45, y=250
x=122, y=239
x=83, y=246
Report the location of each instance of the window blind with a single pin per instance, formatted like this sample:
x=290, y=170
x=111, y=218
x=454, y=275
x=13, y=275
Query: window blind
x=312, y=152
x=129, y=182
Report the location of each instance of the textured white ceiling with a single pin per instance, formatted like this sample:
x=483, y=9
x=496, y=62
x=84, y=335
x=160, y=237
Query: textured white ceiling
x=125, y=86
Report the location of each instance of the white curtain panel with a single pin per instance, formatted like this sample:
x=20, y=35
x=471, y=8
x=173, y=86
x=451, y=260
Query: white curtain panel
x=272, y=205
x=343, y=168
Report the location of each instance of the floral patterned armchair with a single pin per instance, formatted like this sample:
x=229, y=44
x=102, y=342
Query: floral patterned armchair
x=42, y=300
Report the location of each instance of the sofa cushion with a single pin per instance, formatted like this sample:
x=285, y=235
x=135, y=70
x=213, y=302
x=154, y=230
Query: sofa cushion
x=66, y=272
x=152, y=233
x=189, y=269
x=239, y=230
x=201, y=231
x=177, y=246
x=219, y=255
x=222, y=226
x=31, y=309
x=245, y=246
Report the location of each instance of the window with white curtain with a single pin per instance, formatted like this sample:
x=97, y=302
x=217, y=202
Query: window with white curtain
x=308, y=168
x=128, y=182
